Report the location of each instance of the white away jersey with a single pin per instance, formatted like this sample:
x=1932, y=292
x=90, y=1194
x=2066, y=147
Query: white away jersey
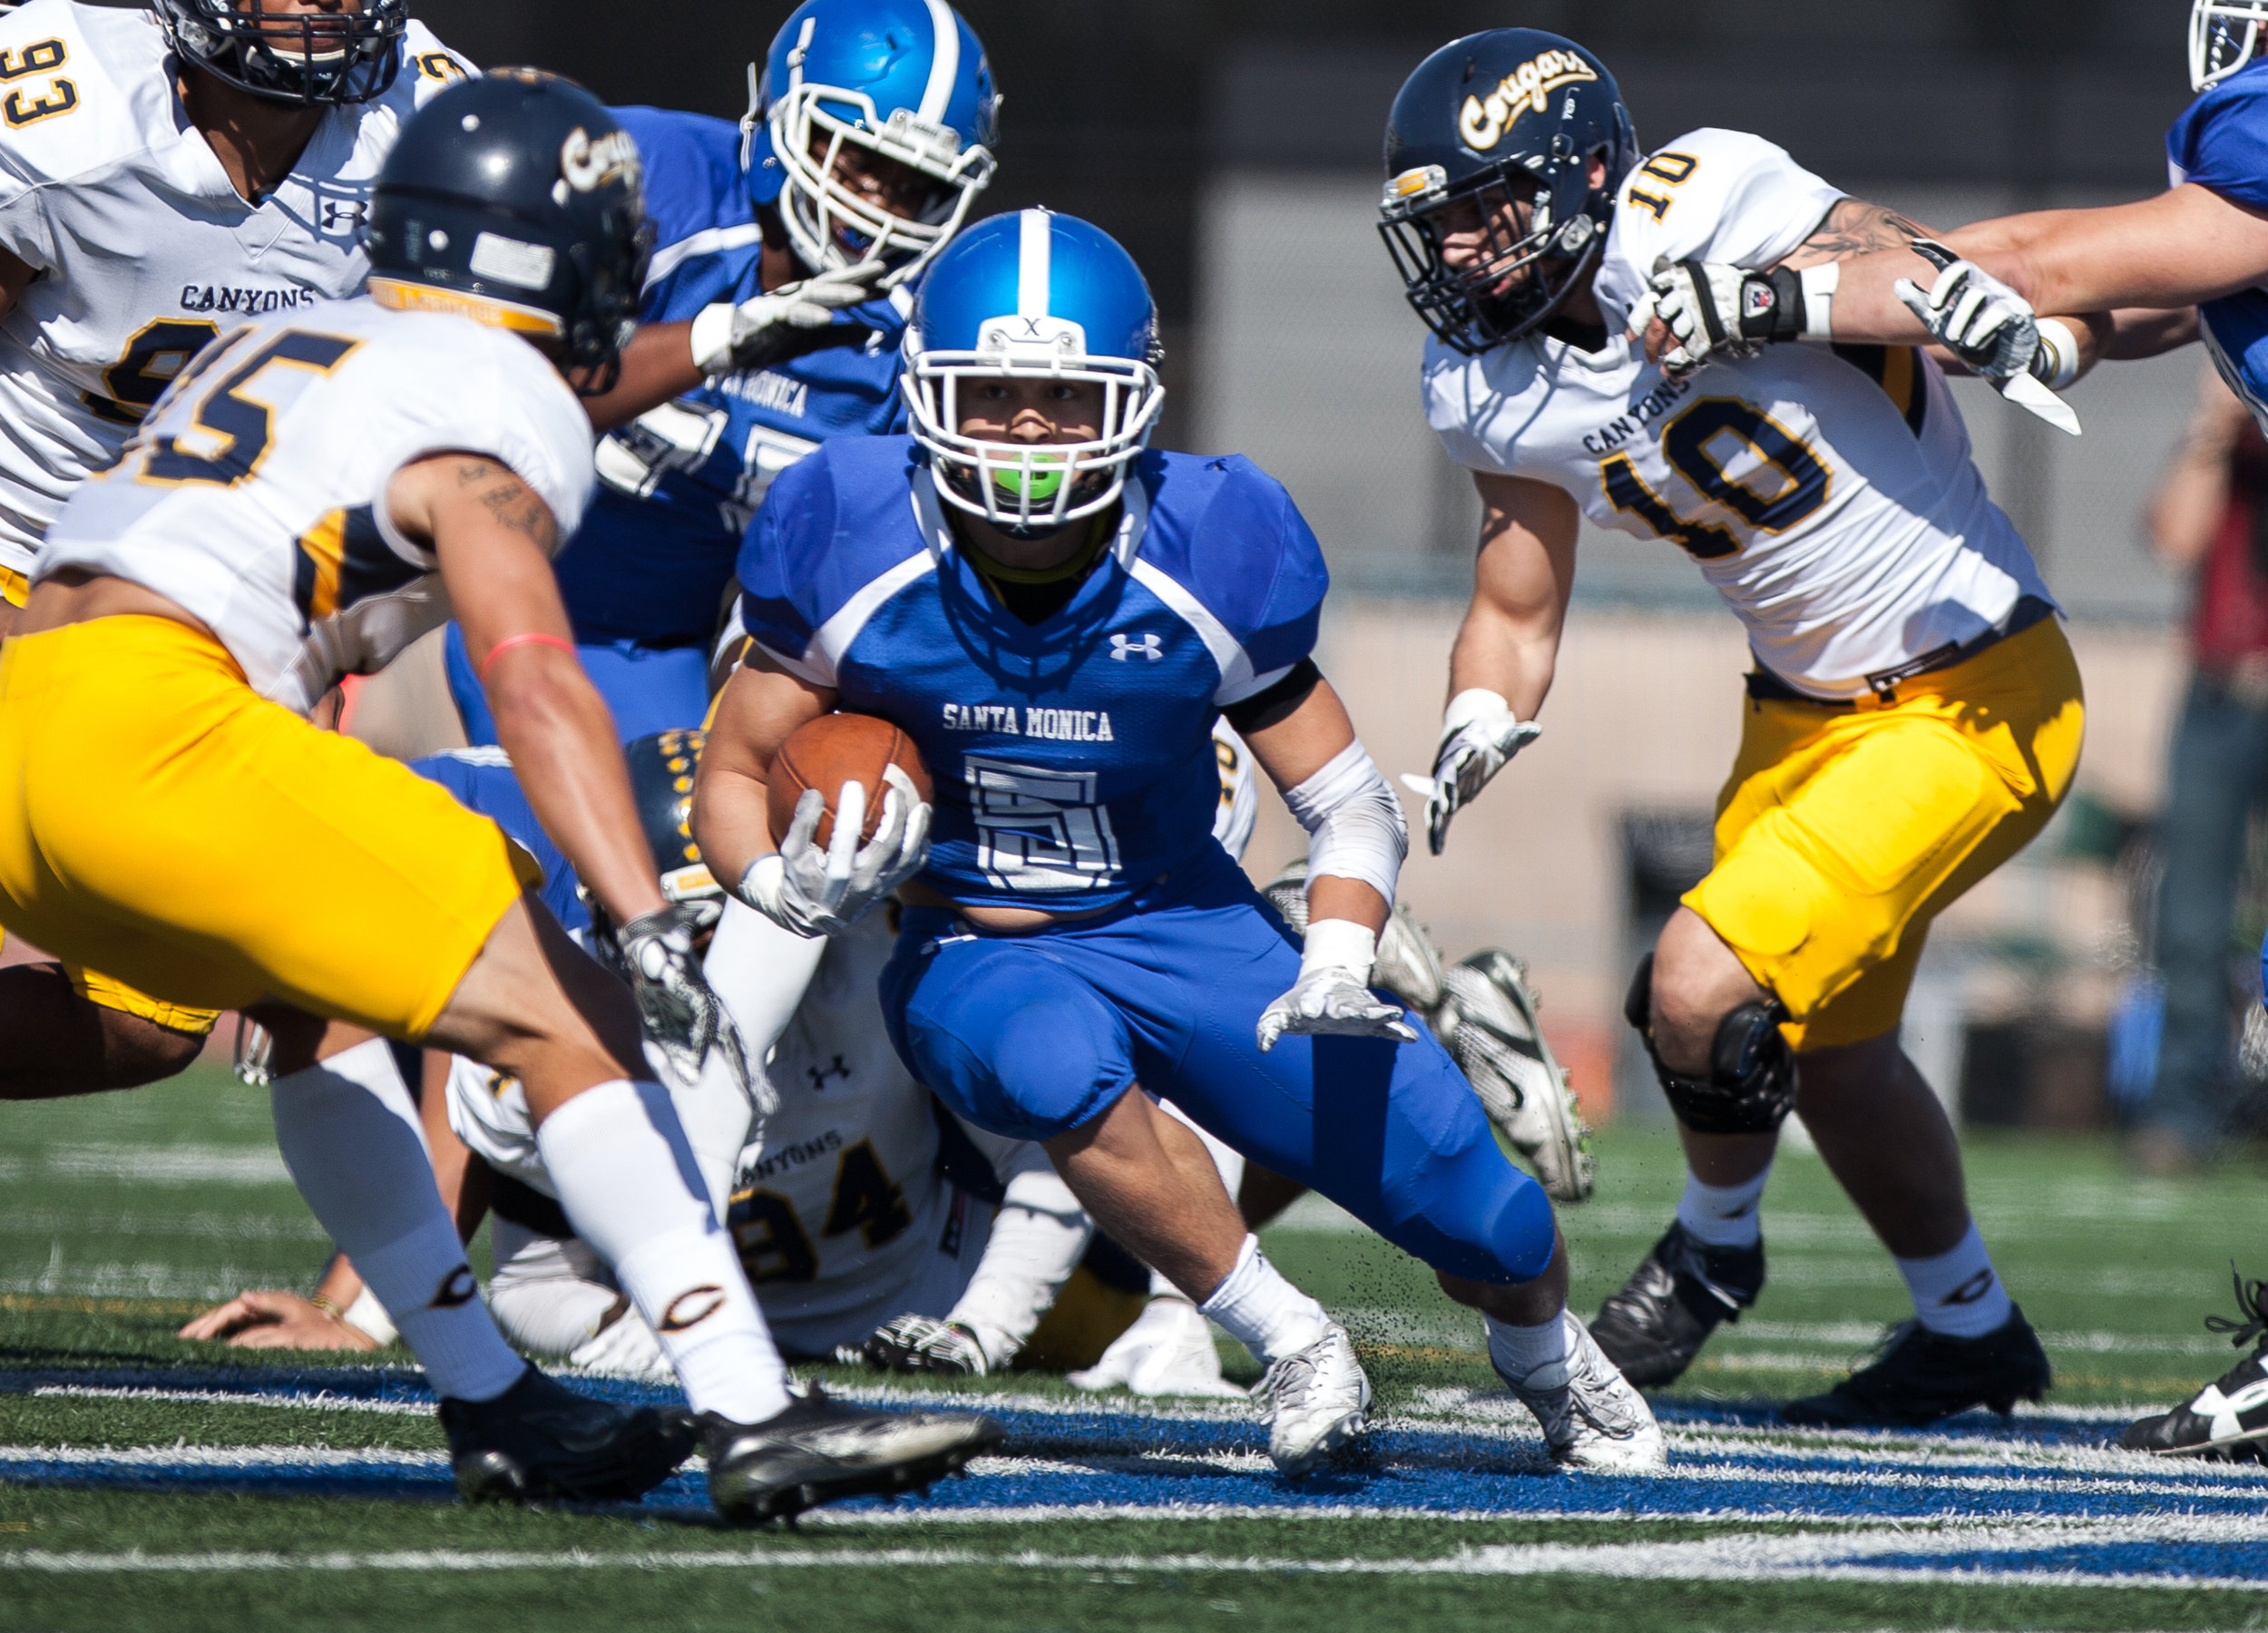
x=1828, y=493
x=145, y=249
x=254, y=496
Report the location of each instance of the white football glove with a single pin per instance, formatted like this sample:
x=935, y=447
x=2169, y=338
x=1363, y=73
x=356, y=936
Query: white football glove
x=1331, y=996
x=1480, y=735
x=812, y=892
x=680, y=1014
x=1976, y=317
x=728, y=337
x=1714, y=309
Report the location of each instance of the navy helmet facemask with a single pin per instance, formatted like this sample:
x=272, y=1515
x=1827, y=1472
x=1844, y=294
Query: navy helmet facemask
x=1500, y=133
x=322, y=58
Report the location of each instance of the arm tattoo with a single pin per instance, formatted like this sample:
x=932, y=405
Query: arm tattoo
x=1853, y=227
x=509, y=501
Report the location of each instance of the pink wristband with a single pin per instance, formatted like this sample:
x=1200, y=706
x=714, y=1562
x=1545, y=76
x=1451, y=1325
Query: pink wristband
x=531, y=639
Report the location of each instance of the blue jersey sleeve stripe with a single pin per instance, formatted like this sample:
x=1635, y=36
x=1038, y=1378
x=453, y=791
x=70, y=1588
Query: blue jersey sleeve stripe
x=710, y=240
x=1236, y=678
x=825, y=653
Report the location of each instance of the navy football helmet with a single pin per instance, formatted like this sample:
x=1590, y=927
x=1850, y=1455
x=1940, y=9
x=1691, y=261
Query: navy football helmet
x=516, y=200
x=1514, y=117
x=905, y=79
x=312, y=57
x=1037, y=295
x=661, y=771
x=2224, y=35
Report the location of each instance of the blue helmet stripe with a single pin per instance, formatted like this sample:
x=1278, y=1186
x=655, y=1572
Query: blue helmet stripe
x=944, y=62
x=1032, y=265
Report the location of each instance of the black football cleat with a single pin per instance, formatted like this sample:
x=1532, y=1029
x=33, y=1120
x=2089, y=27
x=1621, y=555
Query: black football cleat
x=1657, y=1324
x=1919, y=1377
x=540, y=1441
x=817, y=1450
x=2227, y=1419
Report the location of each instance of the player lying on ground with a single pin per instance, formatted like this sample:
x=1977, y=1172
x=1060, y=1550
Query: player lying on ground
x=852, y=1204
x=308, y=498
x=157, y=174
x=864, y=1212
x=1914, y=717
x=1055, y=617
x=787, y=246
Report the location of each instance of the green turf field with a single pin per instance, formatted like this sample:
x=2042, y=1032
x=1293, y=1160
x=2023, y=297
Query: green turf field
x=170, y=1484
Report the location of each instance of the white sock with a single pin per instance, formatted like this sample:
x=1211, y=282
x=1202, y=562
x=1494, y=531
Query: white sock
x=1036, y=1243
x=716, y=1118
x=350, y=1134
x=760, y=972
x=632, y=1187
x=1724, y=1216
x=1957, y=1292
x=1520, y=1353
x=1262, y=1311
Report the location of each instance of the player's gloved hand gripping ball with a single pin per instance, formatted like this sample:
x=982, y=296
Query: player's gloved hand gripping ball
x=1332, y=997
x=1480, y=735
x=682, y=1014
x=824, y=891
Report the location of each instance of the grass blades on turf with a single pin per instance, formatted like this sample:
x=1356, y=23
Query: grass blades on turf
x=192, y=1487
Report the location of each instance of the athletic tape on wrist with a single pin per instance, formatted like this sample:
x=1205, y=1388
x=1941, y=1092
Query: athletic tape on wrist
x=1340, y=944
x=2060, y=350
x=1818, y=285
x=712, y=337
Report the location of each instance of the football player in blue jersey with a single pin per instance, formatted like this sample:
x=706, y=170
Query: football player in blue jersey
x=1056, y=615
x=2202, y=244
x=787, y=248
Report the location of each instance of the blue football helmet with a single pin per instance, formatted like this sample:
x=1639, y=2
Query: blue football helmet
x=2224, y=35
x=905, y=80
x=1040, y=296
x=516, y=200
x=323, y=58
x=1497, y=120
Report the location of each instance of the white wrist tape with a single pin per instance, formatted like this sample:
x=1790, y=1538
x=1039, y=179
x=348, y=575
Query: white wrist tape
x=1820, y=284
x=712, y=337
x=366, y=1314
x=1473, y=703
x=1340, y=944
x=1354, y=824
x=2060, y=348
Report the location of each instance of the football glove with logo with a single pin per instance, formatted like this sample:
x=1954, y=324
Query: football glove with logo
x=1331, y=996
x=1712, y=309
x=1994, y=331
x=682, y=1015
x=1480, y=735
x=812, y=892
x=727, y=338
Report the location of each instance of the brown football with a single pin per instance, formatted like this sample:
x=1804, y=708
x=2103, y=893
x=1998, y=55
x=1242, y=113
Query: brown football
x=834, y=749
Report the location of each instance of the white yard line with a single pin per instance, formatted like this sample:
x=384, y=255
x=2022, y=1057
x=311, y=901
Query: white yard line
x=1732, y=1558
x=318, y=1401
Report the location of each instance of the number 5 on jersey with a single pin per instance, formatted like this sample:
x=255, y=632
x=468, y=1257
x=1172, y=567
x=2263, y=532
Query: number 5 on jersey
x=231, y=419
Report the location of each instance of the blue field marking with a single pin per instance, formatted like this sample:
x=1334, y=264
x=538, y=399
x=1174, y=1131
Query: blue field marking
x=2057, y=1500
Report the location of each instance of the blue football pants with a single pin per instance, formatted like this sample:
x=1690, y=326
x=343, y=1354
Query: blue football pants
x=649, y=688
x=1031, y=1036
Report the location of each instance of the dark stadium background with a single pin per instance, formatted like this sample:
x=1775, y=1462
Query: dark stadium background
x=1117, y=111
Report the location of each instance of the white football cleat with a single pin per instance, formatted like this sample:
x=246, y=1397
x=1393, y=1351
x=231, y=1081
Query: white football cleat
x=1593, y=1420
x=1317, y=1400
x=1487, y=1021
x=1167, y=1351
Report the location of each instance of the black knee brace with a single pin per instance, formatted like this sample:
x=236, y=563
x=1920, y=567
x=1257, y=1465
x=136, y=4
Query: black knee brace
x=1751, y=1085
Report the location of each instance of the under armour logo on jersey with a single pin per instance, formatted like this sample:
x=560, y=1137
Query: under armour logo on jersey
x=819, y=1074
x=344, y=215
x=1144, y=646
